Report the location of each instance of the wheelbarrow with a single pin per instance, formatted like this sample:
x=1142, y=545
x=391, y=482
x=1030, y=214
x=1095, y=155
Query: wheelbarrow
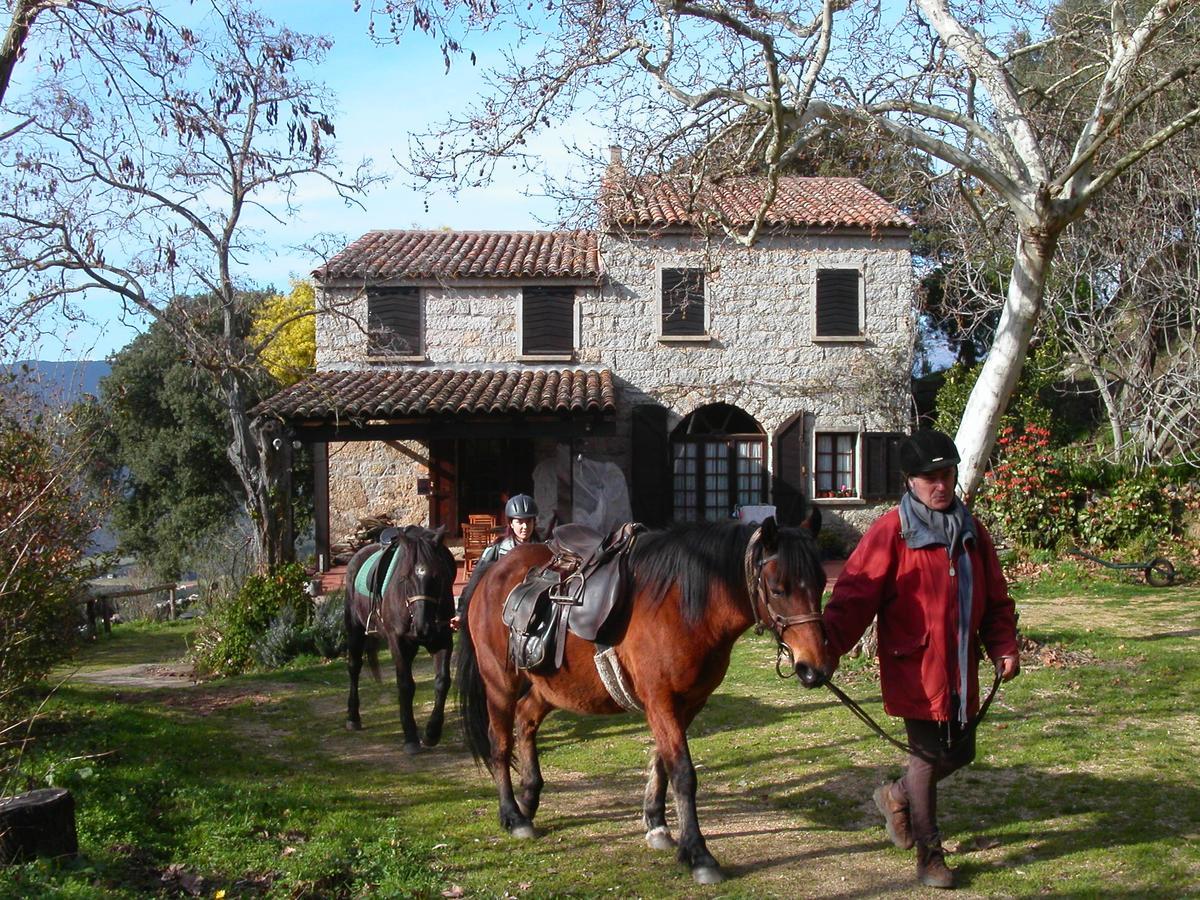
x=1158, y=572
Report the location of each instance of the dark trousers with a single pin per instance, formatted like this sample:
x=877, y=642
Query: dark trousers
x=942, y=748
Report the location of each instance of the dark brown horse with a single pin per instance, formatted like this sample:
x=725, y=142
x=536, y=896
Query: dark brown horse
x=413, y=611
x=694, y=590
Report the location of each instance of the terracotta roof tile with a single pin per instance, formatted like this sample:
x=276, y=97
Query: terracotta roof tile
x=384, y=255
x=405, y=393
x=674, y=200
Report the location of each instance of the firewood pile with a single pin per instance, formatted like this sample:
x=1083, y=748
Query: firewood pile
x=366, y=532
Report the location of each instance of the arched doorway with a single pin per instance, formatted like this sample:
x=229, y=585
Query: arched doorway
x=718, y=462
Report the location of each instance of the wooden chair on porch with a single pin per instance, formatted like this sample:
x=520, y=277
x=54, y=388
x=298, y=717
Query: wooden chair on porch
x=476, y=538
x=482, y=519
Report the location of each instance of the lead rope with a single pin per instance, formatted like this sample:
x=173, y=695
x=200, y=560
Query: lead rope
x=866, y=719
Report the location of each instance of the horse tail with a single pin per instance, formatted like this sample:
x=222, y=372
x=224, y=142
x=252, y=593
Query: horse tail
x=472, y=697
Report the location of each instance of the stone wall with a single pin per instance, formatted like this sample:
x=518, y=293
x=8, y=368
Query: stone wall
x=374, y=478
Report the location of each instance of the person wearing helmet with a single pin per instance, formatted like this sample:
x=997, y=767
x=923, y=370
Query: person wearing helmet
x=521, y=512
x=929, y=573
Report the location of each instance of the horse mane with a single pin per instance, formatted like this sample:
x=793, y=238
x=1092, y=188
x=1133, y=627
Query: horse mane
x=690, y=555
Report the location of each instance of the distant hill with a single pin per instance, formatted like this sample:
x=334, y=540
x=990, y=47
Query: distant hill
x=60, y=383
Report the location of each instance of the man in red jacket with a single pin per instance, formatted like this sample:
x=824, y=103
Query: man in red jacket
x=929, y=572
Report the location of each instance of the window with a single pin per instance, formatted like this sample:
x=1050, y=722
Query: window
x=838, y=303
x=835, y=465
x=718, y=457
x=394, y=321
x=548, y=321
x=683, y=311
x=881, y=466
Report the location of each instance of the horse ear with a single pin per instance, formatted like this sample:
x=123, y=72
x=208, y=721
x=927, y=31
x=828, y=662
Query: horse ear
x=439, y=534
x=770, y=534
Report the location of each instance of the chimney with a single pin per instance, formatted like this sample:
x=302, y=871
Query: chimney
x=614, y=156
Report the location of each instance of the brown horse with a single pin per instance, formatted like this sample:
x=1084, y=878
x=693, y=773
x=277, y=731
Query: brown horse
x=694, y=589
x=414, y=611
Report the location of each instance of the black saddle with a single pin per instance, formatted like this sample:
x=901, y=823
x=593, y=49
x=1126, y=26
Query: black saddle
x=578, y=589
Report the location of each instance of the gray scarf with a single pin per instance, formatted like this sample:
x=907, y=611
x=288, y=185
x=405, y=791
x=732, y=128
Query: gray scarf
x=920, y=527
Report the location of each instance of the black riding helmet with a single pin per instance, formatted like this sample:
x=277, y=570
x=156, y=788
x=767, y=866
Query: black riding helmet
x=521, y=507
x=927, y=450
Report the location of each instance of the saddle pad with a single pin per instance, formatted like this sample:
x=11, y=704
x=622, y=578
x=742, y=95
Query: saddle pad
x=366, y=573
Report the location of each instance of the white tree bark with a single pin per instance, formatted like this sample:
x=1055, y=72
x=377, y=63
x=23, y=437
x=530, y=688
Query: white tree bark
x=1002, y=368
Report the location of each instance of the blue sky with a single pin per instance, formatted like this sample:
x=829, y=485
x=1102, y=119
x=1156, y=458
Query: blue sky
x=384, y=93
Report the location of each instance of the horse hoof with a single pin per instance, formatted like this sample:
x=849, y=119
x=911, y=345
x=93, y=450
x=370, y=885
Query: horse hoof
x=707, y=875
x=353, y=725
x=413, y=748
x=523, y=832
x=660, y=838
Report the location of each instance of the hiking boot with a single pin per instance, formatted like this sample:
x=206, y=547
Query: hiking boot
x=895, y=816
x=932, y=870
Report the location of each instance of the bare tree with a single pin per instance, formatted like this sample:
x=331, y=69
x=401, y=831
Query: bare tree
x=1125, y=303
x=953, y=82
x=151, y=146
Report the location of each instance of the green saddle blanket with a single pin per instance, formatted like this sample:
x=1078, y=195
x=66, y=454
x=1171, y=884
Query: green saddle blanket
x=365, y=582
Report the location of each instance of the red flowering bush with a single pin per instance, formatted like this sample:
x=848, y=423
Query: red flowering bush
x=1027, y=497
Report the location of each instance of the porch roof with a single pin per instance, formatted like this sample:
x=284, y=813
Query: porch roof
x=360, y=395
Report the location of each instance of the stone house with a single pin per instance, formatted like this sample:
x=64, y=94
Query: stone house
x=652, y=368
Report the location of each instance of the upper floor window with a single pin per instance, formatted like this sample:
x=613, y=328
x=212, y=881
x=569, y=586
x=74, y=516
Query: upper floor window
x=683, y=307
x=394, y=321
x=839, y=303
x=548, y=321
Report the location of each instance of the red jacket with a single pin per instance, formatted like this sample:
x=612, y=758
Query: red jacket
x=915, y=596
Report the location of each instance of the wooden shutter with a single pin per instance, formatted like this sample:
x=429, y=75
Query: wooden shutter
x=394, y=321
x=650, y=480
x=837, y=303
x=882, y=478
x=548, y=320
x=790, y=475
x=683, y=302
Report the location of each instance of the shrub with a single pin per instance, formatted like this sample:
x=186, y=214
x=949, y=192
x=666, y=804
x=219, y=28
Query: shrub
x=1136, y=510
x=1026, y=496
x=225, y=644
x=45, y=526
x=287, y=637
x=327, y=632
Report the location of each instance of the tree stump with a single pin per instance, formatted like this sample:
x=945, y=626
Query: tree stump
x=38, y=823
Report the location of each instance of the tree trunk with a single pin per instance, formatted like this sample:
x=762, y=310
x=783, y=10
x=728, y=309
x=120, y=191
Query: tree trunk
x=261, y=454
x=998, y=377
x=39, y=823
x=1115, y=424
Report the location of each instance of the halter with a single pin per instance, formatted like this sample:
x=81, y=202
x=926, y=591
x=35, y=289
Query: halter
x=756, y=588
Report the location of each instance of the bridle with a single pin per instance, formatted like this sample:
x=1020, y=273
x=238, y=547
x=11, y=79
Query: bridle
x=759, y=593
x=421, y=575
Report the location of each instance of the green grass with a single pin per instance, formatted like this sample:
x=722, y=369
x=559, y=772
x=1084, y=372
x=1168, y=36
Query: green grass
x=1085, y=778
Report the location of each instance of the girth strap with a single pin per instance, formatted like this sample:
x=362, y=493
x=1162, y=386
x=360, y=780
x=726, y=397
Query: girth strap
x=609, y=669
